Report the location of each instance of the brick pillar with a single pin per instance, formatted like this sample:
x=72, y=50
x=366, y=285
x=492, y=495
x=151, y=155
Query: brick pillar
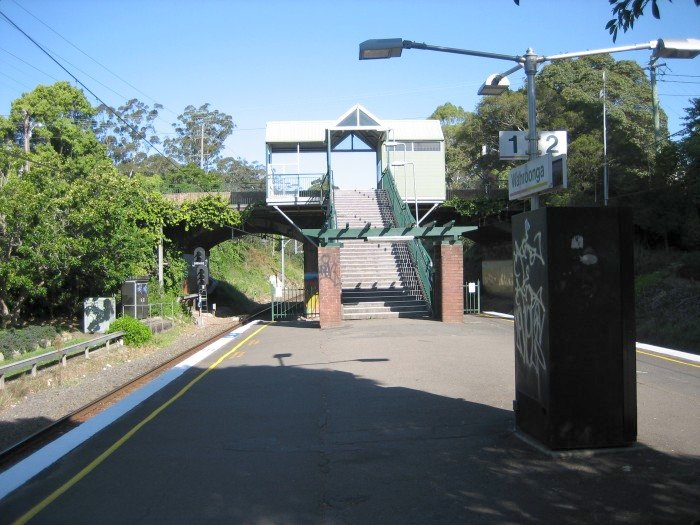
x=451, y=273
x=310, y=279
x=329, y=285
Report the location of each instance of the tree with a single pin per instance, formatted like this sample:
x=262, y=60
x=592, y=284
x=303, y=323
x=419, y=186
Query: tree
x=72, y=226
x=53, y=115
x=452, y=119
x=190, y=178
x=569, y=98
x=200, y=135
x=626, y=13
x=241, y=175
x=127, y=138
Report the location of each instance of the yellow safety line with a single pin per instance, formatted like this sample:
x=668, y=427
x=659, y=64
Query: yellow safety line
x=637, y=349
x=97, y=461
x=668, y=359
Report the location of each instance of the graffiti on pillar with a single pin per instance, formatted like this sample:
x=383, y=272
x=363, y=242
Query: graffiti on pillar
x=328, y=268
x=530, y=311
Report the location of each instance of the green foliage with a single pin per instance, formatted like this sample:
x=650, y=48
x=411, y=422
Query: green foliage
x=207, y=213
x=246, y=264
x=478, y=207
x=135, y=332
x=124, y=137
x=71, y=226
x=199, y=130
x=190, y=178
x=23, y=340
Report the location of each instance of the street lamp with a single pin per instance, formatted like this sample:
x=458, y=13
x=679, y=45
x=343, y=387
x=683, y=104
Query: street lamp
x=668, y=48
x=413, y=171
x=392, y=47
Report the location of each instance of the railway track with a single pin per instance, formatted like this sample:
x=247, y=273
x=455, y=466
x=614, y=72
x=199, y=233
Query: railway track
x=29, y=444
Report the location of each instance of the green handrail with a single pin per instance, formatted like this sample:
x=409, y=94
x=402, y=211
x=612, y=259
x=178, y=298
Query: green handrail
x=404, y=219
x=327, y=198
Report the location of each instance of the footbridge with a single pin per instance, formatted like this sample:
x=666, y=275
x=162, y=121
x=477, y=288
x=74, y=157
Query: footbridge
x=359, y=192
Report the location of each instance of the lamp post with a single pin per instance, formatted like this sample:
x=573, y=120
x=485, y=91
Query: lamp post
x=392, y=47
x=606, y=183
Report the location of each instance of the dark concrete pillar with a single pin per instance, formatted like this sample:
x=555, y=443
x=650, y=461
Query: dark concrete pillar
x=575, y=368
x=451, y=276
x=330, y=286
x=310, y=279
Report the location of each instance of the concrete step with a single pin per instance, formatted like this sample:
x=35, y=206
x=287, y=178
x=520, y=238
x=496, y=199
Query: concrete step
x=384, y=314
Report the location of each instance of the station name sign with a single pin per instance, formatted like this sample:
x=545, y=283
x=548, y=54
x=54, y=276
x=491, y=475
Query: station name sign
x=540, y=175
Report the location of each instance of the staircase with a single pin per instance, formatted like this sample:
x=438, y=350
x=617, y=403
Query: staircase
x=379, y=279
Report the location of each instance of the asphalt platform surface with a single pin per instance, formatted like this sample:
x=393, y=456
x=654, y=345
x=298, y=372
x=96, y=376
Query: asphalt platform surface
x=396, y=421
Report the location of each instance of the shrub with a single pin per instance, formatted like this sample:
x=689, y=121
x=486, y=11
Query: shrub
x=135, y=332
x=23, y=340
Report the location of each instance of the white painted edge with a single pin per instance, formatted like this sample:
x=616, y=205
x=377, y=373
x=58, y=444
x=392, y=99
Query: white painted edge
x=499, y=314
x=640, y=346
x=19, y=474
x=667, y=351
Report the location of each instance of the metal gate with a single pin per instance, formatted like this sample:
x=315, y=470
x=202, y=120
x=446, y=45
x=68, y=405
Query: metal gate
x=294, y=303
x=472, y=298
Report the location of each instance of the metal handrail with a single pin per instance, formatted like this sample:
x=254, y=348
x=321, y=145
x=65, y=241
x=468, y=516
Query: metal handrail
x=328, y=199
x=405, y=218
x=54, y=355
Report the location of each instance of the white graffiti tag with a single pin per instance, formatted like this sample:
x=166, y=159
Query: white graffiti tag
x=530, y=311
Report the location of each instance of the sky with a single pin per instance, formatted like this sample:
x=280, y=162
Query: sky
x=264, y=60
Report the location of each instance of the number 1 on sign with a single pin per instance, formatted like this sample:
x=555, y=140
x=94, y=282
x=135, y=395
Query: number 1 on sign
x=514, y=140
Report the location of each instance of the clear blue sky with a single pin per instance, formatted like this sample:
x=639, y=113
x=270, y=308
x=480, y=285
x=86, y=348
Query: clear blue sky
x=298, y=59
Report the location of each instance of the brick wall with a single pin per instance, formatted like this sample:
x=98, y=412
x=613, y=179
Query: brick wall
x=451, y=281
x=330, y=286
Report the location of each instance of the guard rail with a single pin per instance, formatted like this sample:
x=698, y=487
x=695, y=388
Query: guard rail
x=62, y=354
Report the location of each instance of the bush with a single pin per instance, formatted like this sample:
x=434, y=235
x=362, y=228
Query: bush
x=23, y=340
x=135, y=332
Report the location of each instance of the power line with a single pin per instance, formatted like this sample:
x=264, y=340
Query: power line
x=29, y=159
x=91, y=58
x=679, y=81
x=679, y=75
x=116, y=114
x=27, y=63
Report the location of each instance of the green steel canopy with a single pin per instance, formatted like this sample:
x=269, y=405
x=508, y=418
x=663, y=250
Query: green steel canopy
x=448, y=233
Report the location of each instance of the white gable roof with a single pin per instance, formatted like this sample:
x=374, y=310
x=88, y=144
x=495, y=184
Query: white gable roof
x=314, y=131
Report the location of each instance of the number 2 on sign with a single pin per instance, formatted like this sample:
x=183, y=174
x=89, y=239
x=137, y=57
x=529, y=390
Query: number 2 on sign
x=553, y=148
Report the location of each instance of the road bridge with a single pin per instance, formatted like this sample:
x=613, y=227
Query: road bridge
x=376, y=422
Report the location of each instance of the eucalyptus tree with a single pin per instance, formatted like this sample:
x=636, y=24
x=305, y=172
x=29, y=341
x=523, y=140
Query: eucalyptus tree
x=128, y=133
x=238, y=174
x=199, y=136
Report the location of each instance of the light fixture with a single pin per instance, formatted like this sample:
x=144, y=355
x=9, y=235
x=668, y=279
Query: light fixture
x=677, y=48
x=381, y=48
x=494, y=85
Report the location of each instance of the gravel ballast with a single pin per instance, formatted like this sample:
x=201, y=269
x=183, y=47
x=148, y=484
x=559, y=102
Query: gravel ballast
x=30, y=404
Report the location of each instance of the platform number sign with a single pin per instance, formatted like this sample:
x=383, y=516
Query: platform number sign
x=512, y=145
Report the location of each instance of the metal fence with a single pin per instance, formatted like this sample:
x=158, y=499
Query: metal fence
x=167, y=310
x=294, y=303
x=472, y=298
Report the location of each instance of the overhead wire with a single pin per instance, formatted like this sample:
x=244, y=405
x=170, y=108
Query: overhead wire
x=27, y=63
x=90, y=57
x=110, y=109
